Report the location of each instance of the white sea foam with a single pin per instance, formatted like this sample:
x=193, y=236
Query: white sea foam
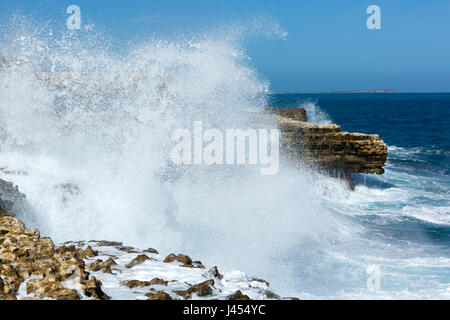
x=94, y=150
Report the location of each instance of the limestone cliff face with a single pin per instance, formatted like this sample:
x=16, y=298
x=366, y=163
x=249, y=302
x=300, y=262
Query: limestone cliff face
x=326, y=146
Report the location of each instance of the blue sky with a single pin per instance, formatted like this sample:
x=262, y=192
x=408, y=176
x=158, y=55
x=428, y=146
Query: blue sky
x=328, y=47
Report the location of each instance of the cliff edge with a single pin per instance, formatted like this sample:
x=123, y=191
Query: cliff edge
x=326, y=146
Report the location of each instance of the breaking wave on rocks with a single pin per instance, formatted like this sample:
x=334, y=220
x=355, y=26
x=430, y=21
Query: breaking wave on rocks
x=85, y=134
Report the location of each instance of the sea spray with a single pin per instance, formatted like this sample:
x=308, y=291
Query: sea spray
x=93, y=138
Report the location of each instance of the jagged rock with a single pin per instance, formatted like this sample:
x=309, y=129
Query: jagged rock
x=127, y=249
x=134, y=283
x=43, y=271
x=202, y=289
x=65, y=294
x=9, y=195
x=180, y=258
x=24, y=254
x=138, y=260
x=50, y=288
x=137, y=283
x=71, y=250
x=185, y=260
x=93, y=288
x=5, y=288
x=100, y=265
x=89, y=253
x=4, y=213
x=158, y=281
x=238, y=295
x=271, y=295
x=159, y=295
x=215, y=273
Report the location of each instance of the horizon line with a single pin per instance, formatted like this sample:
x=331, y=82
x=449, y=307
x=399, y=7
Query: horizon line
x=353, y=92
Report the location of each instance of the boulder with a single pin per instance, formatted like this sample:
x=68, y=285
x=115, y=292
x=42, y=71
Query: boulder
x=138, y=260
x=159, y=295
x=137, y=283
x=202, y=289
x=185, y=260
x=238, y=295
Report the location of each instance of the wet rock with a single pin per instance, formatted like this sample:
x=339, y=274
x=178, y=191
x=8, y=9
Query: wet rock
x=12, y=278
x=158, y=281
x=127, y=249
x=4, y=213
x=100, y=265
x=24, y=255
x=136, y=261
x=238, y=295
x=5, y=288
x=271, y=295
x=10, y=197
x=198, y=264
x=105, y=243
x=89, y=253
x=185, y=260
x=71, y=250
x=92, y=288
x=137, y=283
x=134, y=283
x=202, y=289
x=50, y=288
x=66, y=294
x=159, y=295
x=325, y=146
x=48, y=272
x=215, y=273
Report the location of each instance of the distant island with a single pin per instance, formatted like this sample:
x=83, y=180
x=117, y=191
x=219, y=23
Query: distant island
x=351, y=91
x=368, y=91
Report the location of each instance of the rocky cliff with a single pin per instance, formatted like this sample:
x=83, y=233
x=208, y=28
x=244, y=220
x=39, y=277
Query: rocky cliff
x=327, y=147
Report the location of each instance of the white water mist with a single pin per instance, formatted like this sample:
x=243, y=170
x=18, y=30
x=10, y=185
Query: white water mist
x=89, y=144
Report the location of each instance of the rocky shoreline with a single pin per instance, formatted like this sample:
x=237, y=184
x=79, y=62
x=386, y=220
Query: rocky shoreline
x=34, y=268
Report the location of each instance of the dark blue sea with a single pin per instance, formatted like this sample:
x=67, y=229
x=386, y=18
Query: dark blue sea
x=404, y=213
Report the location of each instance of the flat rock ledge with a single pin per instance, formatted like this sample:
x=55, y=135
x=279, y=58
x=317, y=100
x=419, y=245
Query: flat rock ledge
x=33, y=268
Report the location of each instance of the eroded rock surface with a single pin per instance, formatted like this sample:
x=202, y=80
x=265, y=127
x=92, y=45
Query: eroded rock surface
x=31, y=266
x=326, y=146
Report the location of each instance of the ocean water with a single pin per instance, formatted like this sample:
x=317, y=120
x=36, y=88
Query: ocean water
x=405, y=212
x=90, y=150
